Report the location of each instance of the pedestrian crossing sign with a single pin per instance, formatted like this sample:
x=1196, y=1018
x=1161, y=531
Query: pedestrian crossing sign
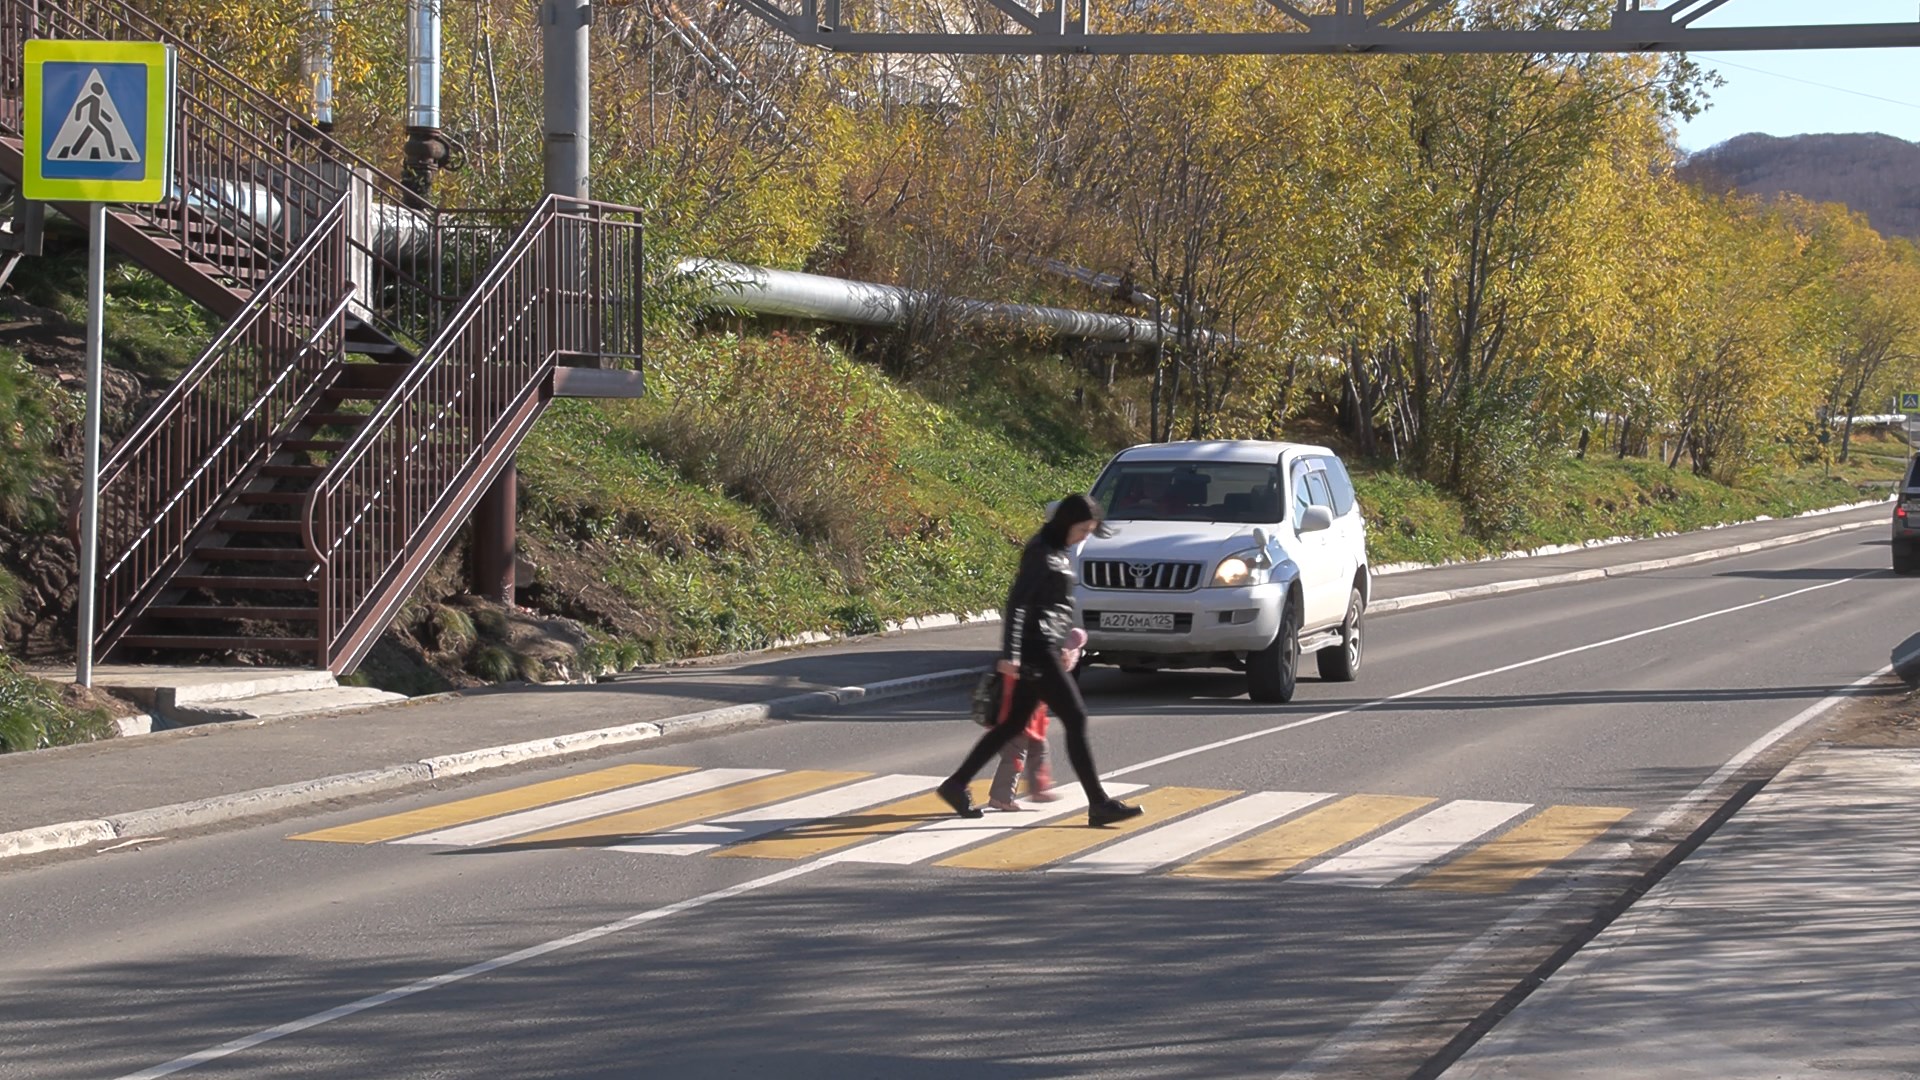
x=97, y=120
x=1910, y=402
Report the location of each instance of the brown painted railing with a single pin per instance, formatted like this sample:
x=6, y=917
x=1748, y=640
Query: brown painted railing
x=252, y=176
x=567, y=285
x=170, y=475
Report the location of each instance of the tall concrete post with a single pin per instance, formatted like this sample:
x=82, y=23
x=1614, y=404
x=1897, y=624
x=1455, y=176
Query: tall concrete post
x=566, y=94
x=565, y=106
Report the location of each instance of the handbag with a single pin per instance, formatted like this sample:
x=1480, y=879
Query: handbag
x=991, y=698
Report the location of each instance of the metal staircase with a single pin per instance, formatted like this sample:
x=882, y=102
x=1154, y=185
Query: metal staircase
x=381, y=360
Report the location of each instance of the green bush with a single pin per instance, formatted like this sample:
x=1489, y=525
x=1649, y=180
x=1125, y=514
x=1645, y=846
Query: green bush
x=32, y=716
x=792, y=429
x=493, y=664
x=32, y=414
x=453, y=630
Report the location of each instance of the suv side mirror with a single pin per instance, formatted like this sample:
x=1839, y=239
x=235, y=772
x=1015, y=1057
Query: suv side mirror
x=1316, y=519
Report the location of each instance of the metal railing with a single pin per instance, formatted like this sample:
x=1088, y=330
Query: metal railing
x=174, y=471
x=252, y=176
x=568, y=284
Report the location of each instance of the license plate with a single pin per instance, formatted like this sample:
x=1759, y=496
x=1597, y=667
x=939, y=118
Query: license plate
x=1133, y=620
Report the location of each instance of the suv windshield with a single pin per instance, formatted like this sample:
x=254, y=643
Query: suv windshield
x=1241, y=492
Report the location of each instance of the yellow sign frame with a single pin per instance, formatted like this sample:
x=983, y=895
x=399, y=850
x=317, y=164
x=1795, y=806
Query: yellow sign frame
x=153, y=185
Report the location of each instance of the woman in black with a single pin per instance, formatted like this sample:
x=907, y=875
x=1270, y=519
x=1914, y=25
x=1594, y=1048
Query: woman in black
x=1039, y=614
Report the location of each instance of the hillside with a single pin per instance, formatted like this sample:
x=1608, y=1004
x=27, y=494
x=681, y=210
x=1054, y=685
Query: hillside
x=1877, y=175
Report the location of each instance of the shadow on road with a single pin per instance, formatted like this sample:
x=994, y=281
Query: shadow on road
x=857, y=972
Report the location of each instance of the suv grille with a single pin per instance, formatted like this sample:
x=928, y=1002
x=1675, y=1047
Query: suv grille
x=1149, y=576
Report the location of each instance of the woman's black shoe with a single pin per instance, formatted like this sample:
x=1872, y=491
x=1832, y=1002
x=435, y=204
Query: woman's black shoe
x=1112, y=811
x=960, y=799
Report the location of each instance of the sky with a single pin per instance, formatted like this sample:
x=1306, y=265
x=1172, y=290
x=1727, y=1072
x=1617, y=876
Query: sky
x=1815, y=91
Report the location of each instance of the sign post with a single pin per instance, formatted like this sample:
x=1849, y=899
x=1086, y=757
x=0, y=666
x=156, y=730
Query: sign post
x=98, y=114
x=1910, y=408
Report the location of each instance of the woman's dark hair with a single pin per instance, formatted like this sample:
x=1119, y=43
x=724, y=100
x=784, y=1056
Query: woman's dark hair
x=1071, y=511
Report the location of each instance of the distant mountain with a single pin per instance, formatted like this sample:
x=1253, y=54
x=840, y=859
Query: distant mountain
x=1877, y=175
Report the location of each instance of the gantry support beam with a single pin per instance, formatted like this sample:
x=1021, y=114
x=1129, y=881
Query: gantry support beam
x=1332, y=26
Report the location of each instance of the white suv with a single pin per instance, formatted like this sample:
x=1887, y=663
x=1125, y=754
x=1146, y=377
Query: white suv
x=1226, y=554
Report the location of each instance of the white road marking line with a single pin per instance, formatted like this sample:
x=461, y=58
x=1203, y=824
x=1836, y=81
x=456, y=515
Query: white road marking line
x=1403, y=1006
x=1475, y=677
x=950, y=834
x=1157, y=847
x=1332, y=1051
x=566, y=813
x=1423, y=840
x=532, y=952
x=706, y=836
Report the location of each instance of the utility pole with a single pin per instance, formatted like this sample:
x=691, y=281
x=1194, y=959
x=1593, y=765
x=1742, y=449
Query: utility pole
x=565, y=147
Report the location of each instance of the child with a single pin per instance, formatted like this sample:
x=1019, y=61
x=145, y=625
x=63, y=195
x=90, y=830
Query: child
x=1029, y=748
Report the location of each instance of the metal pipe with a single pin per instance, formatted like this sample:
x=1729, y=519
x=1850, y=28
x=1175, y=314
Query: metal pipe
x=319, y=64
x=90, y=462
x=426, y=147
x=863, y=303
x=423, y=64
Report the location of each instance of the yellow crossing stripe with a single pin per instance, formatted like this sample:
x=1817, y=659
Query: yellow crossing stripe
x=394, y=826
x=1525, y=850
x=1037, y=845
x=614, y=828
x=1313, y=833
x=832, y=834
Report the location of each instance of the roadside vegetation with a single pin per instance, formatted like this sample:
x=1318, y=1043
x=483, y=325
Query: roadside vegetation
x=1478, y=277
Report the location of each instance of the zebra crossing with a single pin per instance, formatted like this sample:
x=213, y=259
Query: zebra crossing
x=1368, y=841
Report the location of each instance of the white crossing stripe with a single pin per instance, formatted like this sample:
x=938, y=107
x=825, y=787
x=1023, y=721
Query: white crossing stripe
x=950, y=834
x=1182, y=839
x=566, y=813
x=706, y=836
x=1423, y=840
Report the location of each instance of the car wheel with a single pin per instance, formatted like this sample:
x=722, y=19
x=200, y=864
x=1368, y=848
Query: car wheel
x=1273, y=672
x=1903, y=561
x=1341, y=663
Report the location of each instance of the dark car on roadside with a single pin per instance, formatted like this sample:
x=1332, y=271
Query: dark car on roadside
x=1906, y=522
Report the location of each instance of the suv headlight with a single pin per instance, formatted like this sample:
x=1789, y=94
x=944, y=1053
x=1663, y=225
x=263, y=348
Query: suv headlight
x=1249, y=567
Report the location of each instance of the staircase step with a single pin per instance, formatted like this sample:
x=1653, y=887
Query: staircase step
x=377, y=375
x=165, y=688
x=377, y=348
x=313, y=444
x=233, y=611
x=197, y=642
x=305, y=471
x=242, y=582
x=272, y=498
x=252, y=554
x=282, y=706
x=284, y=527
x=337, y=419
x=354, y=393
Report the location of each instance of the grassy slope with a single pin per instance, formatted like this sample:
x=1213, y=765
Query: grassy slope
x=705, y=573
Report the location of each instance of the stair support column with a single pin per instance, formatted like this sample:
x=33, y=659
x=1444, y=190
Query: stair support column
x=493, y=537
x=565, y=100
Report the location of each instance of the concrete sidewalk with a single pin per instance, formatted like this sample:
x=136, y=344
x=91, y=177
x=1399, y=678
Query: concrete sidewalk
x=191, y=777
x=1786, y=945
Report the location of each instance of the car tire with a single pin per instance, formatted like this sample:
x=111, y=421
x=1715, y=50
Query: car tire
x=1903, y=560
x=1274, y=672
x=1341, y=663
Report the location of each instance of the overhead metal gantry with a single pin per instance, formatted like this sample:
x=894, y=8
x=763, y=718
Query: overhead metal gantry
x=1304, y=26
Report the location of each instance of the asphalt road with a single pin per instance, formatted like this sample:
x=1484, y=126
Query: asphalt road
x=1653, y=699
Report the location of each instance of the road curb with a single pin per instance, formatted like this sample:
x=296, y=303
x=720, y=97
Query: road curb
x=158, y=820
x=1403, y=603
